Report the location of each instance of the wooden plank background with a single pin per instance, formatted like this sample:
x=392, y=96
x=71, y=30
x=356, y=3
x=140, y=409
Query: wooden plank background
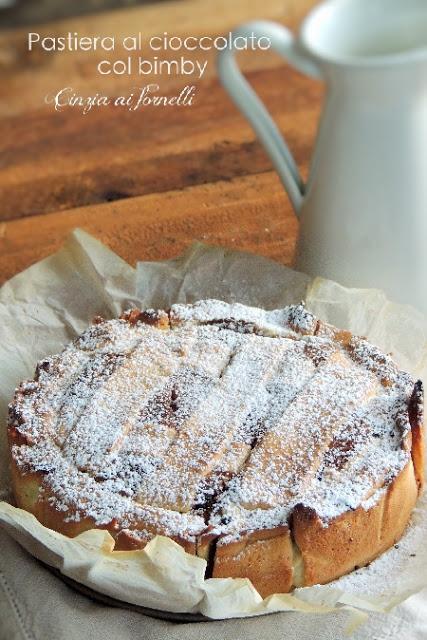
x=150, y=182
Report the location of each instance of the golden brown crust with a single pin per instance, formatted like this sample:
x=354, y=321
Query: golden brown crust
x=354, y=538
x=30, y=495
x=417, y=430
x=26, y=488
x=265, y=557
x=134, y=539
x=153, y=317
x=350, y=541
x=127, y=540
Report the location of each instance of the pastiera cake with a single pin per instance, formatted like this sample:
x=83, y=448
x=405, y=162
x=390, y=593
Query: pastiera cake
x=271, y=444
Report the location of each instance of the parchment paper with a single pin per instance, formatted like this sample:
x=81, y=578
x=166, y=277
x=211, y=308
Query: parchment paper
x=47, y=305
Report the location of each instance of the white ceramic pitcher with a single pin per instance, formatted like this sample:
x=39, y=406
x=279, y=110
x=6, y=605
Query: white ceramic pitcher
x=363, y=211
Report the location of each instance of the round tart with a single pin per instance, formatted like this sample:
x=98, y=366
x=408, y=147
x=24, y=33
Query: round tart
x=269, y=443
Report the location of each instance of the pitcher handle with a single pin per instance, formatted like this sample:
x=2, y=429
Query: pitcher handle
x=245, y=98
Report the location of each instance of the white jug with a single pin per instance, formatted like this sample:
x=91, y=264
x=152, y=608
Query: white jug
x=363, y=210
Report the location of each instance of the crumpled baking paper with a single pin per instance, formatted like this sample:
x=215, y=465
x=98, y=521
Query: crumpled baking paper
x=50, y=303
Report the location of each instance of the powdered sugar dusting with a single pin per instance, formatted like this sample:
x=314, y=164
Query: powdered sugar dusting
x=219, y=423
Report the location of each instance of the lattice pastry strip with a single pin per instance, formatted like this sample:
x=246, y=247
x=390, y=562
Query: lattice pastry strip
x=204, y=437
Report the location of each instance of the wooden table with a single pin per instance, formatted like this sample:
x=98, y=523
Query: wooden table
x=147, y=183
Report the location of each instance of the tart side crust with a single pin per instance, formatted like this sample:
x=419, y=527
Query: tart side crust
x=34, y=495
x=265, y=557
x=354, y=538
x=417, y=431
x=30, y=496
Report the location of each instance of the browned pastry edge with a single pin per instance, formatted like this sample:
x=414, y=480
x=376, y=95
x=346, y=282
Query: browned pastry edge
x=153, y=317
x=311, y=553
x=274, y=560
x=31, y=497
x=354, y=538
x=266, y=557
x=305, y=552
x=415, y=411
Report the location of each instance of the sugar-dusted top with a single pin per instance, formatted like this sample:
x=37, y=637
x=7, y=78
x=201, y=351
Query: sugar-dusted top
x=212, y=418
